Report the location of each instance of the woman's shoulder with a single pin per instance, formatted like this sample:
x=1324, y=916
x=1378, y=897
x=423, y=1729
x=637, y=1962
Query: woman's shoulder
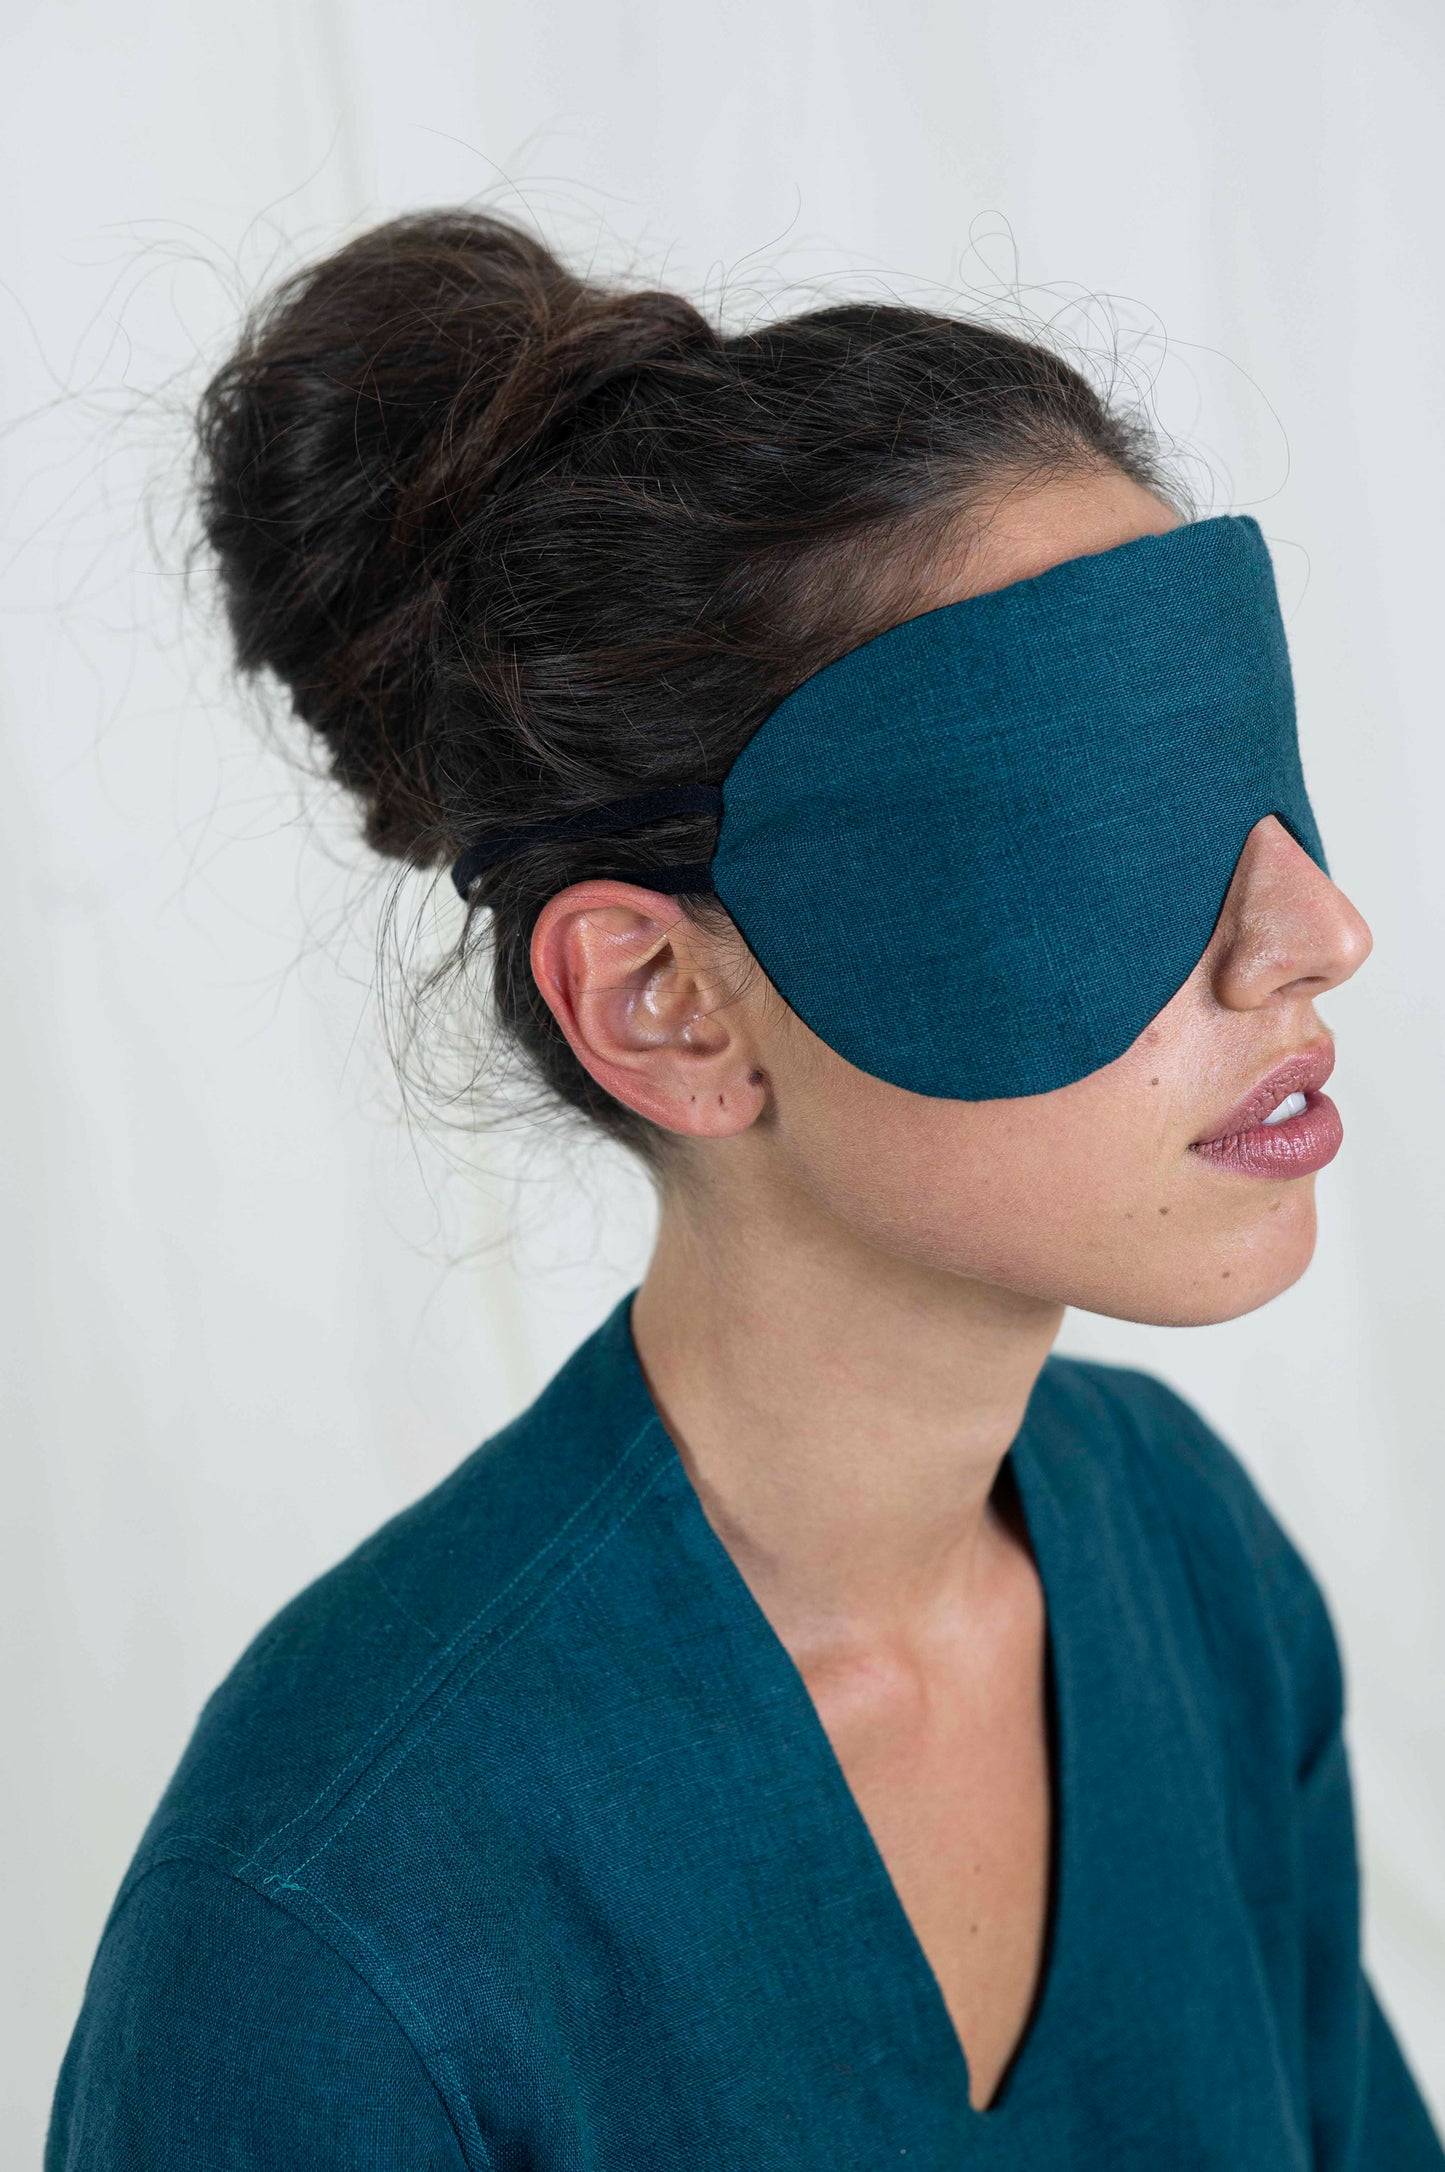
x=1159, y=1464
x=448, y=1600
x=1140, y=1416
x=1141, y=1430
x=378, y=1775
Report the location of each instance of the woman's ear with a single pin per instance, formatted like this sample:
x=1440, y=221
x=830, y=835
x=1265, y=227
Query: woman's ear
x=643, y=999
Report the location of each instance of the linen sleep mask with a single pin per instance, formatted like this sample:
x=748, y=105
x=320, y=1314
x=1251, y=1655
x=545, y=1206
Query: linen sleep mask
x=979, y=853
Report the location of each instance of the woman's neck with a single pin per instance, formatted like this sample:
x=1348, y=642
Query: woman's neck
x=842, y=1412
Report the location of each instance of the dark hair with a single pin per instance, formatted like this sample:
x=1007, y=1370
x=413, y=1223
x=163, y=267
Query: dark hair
x=517, y=543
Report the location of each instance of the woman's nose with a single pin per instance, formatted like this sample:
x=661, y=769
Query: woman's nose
x=1285, y=928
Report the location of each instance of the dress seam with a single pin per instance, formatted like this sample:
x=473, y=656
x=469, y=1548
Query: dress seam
x=194, y=1855
x=445, y=1663
x=442, y=1699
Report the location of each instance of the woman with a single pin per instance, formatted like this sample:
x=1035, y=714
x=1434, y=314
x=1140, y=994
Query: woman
x=825, y=1730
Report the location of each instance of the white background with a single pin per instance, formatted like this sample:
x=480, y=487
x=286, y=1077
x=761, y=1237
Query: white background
x=246, y=1313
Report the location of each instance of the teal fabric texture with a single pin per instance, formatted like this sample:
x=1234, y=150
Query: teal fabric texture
x=515, y=1844
x=979, y=853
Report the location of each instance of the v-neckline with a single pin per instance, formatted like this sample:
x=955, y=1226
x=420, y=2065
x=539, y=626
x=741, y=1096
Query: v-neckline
x=916, y=1971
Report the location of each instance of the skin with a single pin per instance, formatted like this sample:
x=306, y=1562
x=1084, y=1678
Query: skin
x=854, y=1288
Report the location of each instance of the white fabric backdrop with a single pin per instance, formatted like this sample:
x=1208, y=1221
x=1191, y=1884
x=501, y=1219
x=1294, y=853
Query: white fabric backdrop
x=246, y=1314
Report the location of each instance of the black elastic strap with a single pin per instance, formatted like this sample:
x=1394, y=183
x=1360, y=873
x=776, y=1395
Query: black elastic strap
x=690, y=875
x=618, y=814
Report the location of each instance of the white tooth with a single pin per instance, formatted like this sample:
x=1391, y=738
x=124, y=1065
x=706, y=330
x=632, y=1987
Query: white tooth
x=1292, y=1105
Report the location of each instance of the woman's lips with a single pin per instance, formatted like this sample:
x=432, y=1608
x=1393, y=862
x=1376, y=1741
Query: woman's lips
x=1297, y=1147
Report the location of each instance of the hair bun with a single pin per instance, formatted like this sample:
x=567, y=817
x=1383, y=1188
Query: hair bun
x=522, y=547
x=375, y=406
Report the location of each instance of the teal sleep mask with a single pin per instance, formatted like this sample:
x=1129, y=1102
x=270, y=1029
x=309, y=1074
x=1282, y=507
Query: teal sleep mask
x=979, y=853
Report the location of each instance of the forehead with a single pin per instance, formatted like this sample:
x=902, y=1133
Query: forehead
x=1038, y=522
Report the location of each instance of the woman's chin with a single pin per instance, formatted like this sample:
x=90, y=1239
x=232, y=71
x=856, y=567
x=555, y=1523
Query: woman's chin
x=1200, y=1279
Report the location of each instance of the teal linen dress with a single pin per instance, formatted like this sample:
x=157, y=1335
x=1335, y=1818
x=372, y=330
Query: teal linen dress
x=515, y=1844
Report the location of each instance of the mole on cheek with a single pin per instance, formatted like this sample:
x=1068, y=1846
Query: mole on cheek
x=1163, y=1210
